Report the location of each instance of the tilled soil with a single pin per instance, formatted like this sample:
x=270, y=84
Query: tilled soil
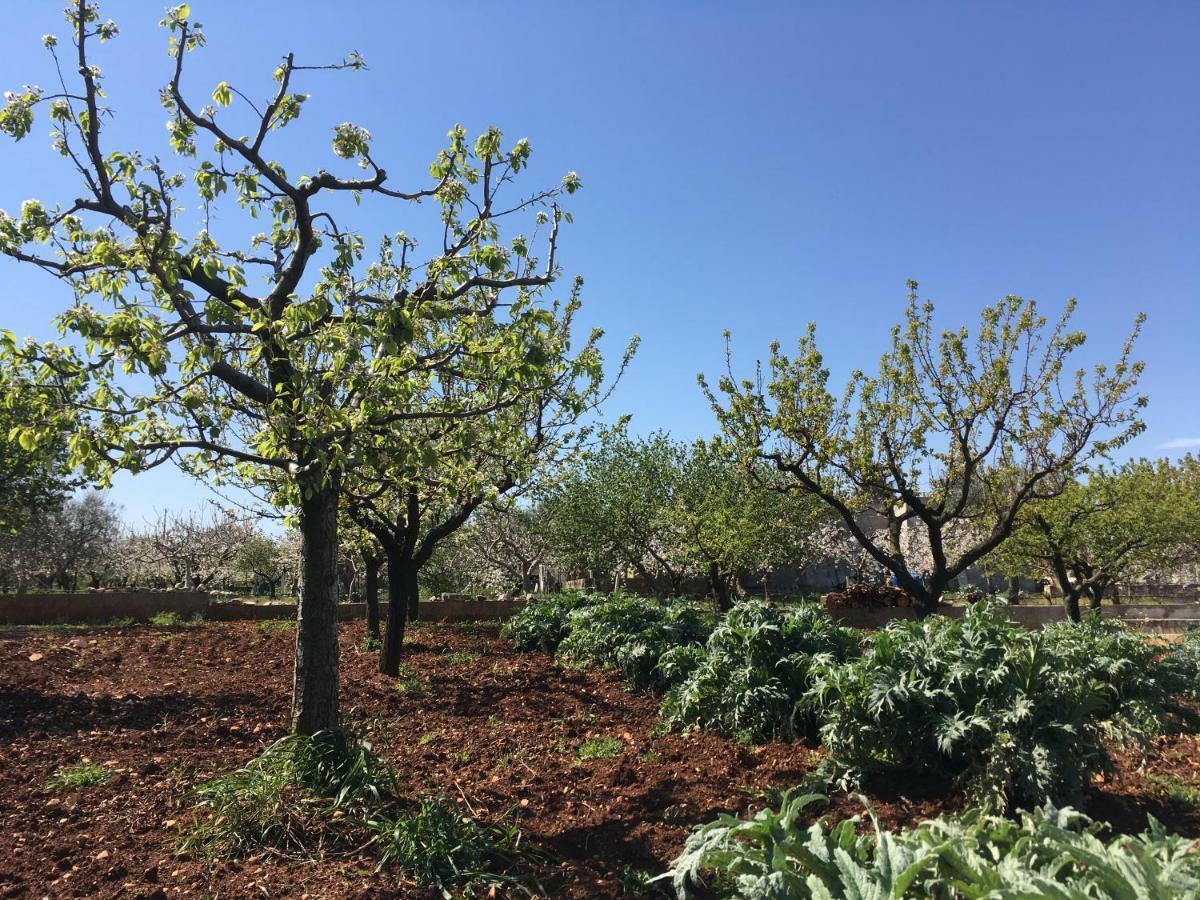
x=496, y=730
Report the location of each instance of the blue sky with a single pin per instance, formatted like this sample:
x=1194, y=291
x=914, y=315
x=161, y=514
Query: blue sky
x=750, y=166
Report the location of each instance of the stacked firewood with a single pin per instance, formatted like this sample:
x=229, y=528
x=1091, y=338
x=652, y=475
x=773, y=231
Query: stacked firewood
x=866, y=596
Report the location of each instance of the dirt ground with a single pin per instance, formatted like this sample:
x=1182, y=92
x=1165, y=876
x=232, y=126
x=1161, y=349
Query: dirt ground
x=496, y=730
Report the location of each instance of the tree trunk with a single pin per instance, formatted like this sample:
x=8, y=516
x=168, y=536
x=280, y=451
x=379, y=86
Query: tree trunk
x=1014, y=591
x=393, y=636
x=676, y=581
x=315, y=688
x=413, y=588
x=371, y=596
x=720, y=588
x=1071, y=605
x=925, y=595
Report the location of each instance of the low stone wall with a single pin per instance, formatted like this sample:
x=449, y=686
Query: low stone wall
x=98, y=606
x=1171, y=618
x=1178, y=592
x=430, y=610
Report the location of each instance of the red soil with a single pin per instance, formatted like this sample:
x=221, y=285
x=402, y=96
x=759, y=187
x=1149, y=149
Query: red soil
x=495, y=729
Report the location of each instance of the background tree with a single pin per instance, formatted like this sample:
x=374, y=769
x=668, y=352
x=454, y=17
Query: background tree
x=281, y=352
x=35, y=476
x=730, y=524
x=60, y=545
x=507, y=549
x=467, y=463
x=360, y=545
x=264, y=561
x=950, y=430
x=605, y=515
x=1112, y=526
x=195, y=548
x=81, y=537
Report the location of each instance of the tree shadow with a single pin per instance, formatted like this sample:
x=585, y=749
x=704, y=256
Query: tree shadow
x=23, y=711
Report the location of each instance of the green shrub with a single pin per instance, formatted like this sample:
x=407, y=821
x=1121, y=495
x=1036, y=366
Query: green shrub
x=1137, y=689
x=1013, y=715
x=748, y=679
x=1183, y=662
x=631, y=634
x=1048, y=853
x=166, y=619
x=370, y=643
x=542, y=623
x=328, y=796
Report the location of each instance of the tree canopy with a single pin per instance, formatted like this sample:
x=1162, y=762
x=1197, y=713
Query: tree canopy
x=298, y=349
x=951, y=437
x=35, y=475
x=1116, y=524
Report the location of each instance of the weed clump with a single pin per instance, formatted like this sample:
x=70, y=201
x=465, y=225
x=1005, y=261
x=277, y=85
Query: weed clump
x=599, y=748
x=83, y=774
x=328, y=796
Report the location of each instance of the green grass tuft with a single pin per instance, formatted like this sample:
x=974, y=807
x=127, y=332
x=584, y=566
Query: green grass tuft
x=327, y=796
x=371, y=643
x=599, y=748
x=1178, y=792
x=79, y=775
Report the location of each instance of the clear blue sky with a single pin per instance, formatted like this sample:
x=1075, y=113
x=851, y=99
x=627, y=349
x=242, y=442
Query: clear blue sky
x=750, y=166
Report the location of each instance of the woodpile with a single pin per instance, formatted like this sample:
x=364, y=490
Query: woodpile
x=866, y=596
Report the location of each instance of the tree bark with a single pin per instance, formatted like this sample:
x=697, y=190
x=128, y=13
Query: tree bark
x=393, y=636
x=413, y=588
x=371, y=589
x=926, y=596
x=1071, y=605
x=720, y=588
x=1014, y=590
x=315, y=686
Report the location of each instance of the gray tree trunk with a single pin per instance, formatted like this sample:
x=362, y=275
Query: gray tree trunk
x=371, y=589
x=393, y=635
x=315, y=686
x=1071, y=605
